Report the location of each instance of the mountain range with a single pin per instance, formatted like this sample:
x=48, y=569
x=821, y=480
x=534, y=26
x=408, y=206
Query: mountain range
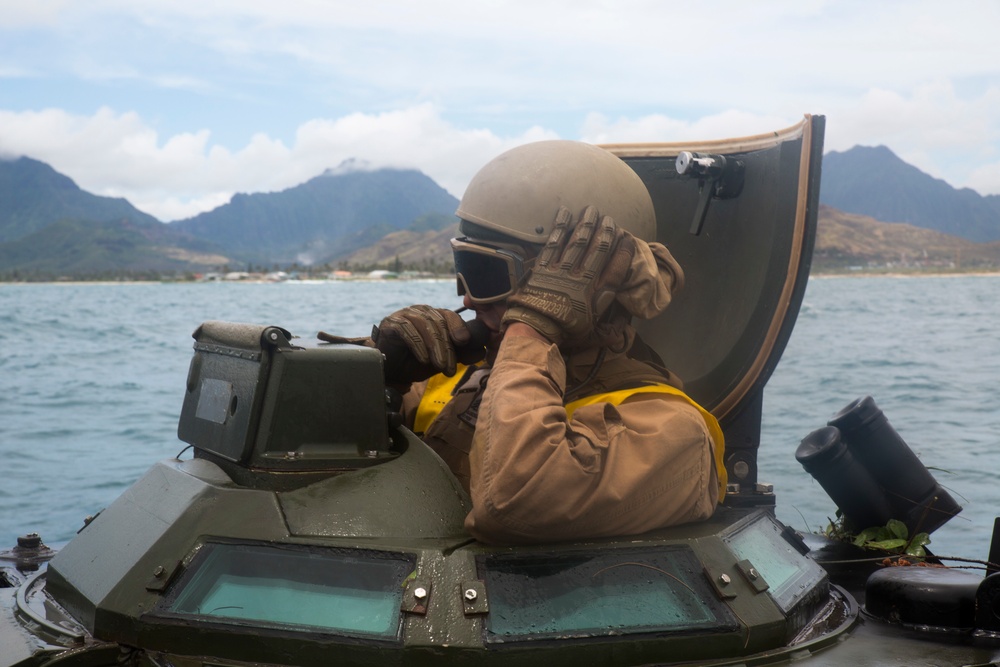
x=322, y=219
x=50, y=228
x=873, y=181
x=34, y=195
x=877, y=210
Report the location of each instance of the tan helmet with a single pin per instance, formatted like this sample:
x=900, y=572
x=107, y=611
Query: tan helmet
x=518, y=193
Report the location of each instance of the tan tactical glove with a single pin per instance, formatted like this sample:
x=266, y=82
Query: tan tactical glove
x=575, y=277
x=420, y=341
x=650, y=282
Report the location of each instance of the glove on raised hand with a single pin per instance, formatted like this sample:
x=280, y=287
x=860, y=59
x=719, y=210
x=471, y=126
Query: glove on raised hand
x=651, y=280
x=574, y=278
x=420, y=341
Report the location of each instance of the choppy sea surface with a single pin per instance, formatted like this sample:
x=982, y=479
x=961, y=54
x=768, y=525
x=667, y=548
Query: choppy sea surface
x=92, y=380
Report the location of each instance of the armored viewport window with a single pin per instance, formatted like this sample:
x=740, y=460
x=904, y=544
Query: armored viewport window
x=791, y=577
x=597, y=594
x=350, y=592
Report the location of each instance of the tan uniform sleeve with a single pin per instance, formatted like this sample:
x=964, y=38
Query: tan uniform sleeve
x=539, y=477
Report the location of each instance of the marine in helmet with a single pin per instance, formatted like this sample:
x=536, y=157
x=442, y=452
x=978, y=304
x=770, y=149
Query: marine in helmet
x=559, y=421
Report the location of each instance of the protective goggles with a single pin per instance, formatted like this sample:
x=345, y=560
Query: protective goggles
x=487, y=273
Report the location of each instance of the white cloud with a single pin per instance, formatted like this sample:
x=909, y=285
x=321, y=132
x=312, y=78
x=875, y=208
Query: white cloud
x=932, y=127
x=168, y=208
x=122, y=155
x=985, y=179
x=659, y=128
x=204, y=99
x=119, y=155
x=18, y=14
x=413, y=138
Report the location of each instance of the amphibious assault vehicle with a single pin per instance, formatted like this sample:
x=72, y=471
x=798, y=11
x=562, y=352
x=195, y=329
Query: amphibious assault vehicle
x=309, y=528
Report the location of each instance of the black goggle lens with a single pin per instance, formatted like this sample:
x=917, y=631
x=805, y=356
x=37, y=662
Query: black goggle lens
x=485, y=276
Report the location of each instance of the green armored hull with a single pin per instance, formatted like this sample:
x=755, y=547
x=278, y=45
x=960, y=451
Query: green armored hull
x=310, y=528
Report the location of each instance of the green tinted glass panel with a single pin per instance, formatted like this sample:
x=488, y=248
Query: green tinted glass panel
x=789, y=575
x=347, y=592
x=587, y=594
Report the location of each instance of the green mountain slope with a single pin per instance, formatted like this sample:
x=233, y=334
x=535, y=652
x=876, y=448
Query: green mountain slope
x=87, y=250
x=34, y=195
x=321, y=220
x=875, y=182
x=50, y=228
x=421, y=247
x=845, y=240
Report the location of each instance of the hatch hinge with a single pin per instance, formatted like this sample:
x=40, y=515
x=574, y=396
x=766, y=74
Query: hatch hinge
x=721, y=582
x=752, y=575
x=417, y=596
x=474, y=598
x=162, y=576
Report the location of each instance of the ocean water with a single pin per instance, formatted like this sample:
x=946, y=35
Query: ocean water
x=92, y=378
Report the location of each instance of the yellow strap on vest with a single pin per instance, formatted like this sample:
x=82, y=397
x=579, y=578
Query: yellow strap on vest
x=440, y=387
x=436, y=396
x=618, y=397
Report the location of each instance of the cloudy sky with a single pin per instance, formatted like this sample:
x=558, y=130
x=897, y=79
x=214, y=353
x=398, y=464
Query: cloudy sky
x=178, y=104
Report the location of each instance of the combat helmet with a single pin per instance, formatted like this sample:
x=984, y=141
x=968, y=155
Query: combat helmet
x=517, y=194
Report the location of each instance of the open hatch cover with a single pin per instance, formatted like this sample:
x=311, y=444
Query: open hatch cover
x=740, y=217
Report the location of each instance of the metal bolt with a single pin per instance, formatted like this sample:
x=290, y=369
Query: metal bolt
x=420, y=593
x=752, y=573
x=372, y=453
x=471, y=595
x=29, y=541
x=274, y=335
x=159, y=571
x=724, y=579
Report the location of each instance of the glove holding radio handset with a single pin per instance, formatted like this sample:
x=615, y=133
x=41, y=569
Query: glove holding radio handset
x=421, y=341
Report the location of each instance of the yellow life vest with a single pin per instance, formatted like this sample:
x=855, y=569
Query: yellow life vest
x=437, y=394
x=440, y=388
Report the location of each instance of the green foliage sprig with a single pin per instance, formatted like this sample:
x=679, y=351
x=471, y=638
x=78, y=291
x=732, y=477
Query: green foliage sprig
x=893, y=538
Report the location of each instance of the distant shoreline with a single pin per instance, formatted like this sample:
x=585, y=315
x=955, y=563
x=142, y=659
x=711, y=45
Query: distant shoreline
x=823, y=275
x=311, y=281
x=903, y=274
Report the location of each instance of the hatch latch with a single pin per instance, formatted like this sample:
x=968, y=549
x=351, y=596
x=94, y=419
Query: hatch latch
x=718, y=177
